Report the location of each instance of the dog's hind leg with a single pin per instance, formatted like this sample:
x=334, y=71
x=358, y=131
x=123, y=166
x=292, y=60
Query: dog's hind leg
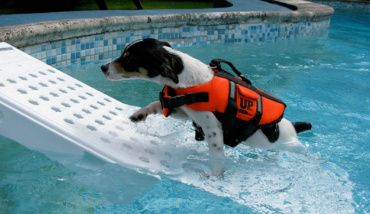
x=213, y=133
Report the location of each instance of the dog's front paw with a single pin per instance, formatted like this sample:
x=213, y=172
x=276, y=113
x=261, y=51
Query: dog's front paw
x=138, y=116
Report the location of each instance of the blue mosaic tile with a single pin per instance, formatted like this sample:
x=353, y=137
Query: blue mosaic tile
x=110, y=45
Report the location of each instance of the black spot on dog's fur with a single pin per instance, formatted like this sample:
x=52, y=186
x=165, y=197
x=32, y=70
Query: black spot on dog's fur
x=150, y=55
x=213, y=134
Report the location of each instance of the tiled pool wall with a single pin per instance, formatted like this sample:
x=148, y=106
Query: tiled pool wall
x=110, y=45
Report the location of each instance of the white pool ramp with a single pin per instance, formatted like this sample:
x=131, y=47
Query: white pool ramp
x=46, y=110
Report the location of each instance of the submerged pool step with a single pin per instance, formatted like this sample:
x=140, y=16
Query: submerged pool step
x=44, y=109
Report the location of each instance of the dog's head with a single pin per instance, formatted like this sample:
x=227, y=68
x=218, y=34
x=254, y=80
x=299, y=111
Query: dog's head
x=145, y=59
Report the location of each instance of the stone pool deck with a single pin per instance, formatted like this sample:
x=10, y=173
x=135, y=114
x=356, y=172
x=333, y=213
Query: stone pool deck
x=44, y=27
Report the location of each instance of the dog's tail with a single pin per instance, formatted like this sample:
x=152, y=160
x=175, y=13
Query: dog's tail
x=302, y=126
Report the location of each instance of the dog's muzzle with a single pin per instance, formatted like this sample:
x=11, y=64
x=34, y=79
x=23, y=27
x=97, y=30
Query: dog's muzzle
x=105, y=68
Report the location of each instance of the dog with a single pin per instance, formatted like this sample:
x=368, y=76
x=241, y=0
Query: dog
x=157, y=61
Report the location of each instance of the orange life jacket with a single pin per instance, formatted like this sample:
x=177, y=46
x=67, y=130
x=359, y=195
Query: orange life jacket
x=240, y=107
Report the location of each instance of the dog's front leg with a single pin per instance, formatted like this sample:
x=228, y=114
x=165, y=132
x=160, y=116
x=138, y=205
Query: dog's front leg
x=154, y=108
x=141, y=114
x=212, y=129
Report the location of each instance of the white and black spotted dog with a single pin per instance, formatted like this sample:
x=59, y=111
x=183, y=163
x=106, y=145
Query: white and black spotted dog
x=156, y=61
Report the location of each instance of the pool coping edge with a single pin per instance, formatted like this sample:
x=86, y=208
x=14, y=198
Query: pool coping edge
x=41, y=32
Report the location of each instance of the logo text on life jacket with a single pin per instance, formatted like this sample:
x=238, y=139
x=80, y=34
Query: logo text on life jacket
x=245, y=105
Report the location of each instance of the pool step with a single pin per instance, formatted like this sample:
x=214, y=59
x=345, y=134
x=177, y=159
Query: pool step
x=46, y=110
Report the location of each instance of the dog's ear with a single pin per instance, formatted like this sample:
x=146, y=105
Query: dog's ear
x=170, y=73
x=167, y=44
x=171, y=67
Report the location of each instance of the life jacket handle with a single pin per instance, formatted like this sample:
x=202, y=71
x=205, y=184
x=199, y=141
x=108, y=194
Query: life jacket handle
x=216, y=64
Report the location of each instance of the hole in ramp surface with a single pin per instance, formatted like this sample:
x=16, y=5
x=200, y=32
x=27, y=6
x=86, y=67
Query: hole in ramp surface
x=69, y=121
x=144, y=159
x=149, y=151
x=127, y=146
x=114, y=134
x=22, y=91
x=106, y=117
x=56, y=109
x=74, y=101
x=33, y=87
x=22, y=78
x=43, y=84
x=70, y=87
x=78, y=116
x=105, y=140
x=165, y=163
x=86, y=111
x=42, y=73
x=113, y=113
x=51, y=71
x=99, y=122
x=44, y=98
x=11, y=81
x=92, y=128
x=82, y=97
x=33, y=75
x=54, y=94
x=33, y=102
x=66, y=105
x=120, y=128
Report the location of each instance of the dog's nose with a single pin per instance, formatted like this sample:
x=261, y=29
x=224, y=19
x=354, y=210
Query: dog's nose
x=104, y=68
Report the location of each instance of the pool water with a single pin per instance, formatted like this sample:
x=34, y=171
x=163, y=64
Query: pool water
x=322, y=80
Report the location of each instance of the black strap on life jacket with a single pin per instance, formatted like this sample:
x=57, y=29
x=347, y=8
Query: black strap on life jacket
x=179, y=100
x=216, y=64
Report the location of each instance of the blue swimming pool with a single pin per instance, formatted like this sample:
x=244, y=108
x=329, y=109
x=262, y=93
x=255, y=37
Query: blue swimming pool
x=322, y=80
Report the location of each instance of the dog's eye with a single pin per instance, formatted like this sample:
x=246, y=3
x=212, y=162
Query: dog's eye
x=126, y=54
x=128, y=63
